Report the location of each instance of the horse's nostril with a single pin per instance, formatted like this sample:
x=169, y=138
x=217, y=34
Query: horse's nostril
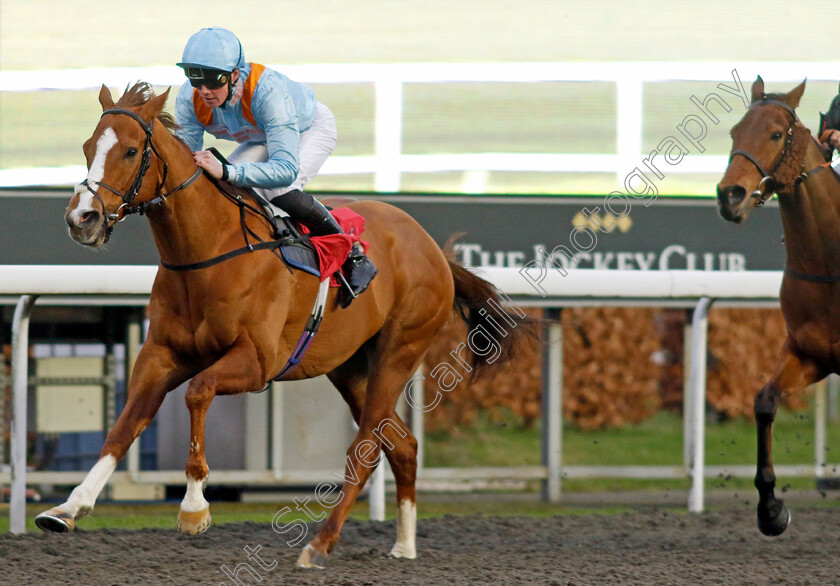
x=737, y=194
x=89, y=217
x=732, y=194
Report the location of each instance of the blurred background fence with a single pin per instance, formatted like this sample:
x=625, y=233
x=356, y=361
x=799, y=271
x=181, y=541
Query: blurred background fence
x=532, y=127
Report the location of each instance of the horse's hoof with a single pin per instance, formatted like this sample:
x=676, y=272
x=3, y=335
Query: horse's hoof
x=55, y=521
x=775, y=520
x=311, y=558
x=193, y=523
x=402, y=551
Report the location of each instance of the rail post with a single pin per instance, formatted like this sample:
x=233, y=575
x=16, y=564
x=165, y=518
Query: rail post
x=552, y=406
x=17, y=444
x=697, y=396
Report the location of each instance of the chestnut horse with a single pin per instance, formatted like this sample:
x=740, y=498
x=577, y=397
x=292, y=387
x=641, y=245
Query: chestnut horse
x=773, y=152
x=230, y=327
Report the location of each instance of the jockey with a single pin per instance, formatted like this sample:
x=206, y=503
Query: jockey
x=829, y=133
x=285, y=134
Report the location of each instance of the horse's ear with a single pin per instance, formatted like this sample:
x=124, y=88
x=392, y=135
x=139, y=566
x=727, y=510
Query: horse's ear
x=154, y=107
x=794, y=95
x=105, y=98
x=757, y=89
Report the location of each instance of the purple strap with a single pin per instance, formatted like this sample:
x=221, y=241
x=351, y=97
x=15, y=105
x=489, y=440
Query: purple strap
x=298, y=354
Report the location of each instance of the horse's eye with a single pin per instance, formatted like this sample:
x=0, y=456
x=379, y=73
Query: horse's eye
x=776, y=136
x=130, y=152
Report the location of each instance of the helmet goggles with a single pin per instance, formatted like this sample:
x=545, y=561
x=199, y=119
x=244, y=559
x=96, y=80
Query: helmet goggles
x=213, y=79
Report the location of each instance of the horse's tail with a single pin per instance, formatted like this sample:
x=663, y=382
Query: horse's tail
x=495, y=330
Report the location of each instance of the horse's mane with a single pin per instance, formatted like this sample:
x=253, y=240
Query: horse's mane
x=140, y=93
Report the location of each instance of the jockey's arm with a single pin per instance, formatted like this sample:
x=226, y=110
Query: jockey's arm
x=275, y=113
x=829, y=133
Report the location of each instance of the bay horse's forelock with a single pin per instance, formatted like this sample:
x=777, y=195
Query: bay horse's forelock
x=229, y=327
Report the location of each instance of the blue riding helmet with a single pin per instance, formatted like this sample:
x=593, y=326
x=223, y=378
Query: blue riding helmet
x=213, y=48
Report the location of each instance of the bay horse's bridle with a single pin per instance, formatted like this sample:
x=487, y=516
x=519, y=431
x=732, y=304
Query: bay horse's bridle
x=761, y=192
x=128, y=197
x=763, y=196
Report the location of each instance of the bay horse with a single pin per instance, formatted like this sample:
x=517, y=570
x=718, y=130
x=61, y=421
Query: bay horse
x=230, y=327
x=773, y=152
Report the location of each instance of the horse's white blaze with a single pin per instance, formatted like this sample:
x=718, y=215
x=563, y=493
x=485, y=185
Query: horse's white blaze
x=97, y=171
x=83, y=497
x=405, y=547
x=194, y=500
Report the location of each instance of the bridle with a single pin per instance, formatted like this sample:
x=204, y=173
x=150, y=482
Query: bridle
x=767, y=178
x=128, y=197
x=109, y=220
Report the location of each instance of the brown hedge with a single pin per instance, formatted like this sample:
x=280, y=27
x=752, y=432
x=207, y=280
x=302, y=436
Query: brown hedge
x=620, y=366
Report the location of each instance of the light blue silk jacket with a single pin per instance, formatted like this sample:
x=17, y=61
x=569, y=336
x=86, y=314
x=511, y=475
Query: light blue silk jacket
x=282, y=110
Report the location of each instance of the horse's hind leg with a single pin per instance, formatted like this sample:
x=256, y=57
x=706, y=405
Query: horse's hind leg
x=400, y=448
x=378, y=424
x=791, y=374
x=155, y=374
x=237, y=371
x=403, y=459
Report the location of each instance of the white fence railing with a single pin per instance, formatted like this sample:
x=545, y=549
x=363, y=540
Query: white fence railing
x=388, y=161
x=691, y=288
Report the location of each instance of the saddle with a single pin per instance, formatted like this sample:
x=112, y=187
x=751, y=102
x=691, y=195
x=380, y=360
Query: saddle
x=323, y=256
x=299, y=253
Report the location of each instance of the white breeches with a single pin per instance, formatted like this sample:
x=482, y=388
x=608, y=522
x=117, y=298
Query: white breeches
x=316, y=144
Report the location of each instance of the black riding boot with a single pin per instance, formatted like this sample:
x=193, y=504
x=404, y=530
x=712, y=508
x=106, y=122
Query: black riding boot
x=358, y=269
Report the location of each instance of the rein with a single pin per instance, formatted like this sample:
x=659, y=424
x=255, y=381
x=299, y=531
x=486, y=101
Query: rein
x=194, y=266
x=141, y=208
x=272, y=245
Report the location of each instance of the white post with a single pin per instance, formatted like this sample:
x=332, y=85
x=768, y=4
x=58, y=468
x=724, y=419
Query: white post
x=629, y=125
x=416, y=415
x=833, y=397
x=687, y=411
x=377, y=491
x=697, y=396
x=276, y=391
x=819, y=428
x=134, y=334
x=388, y=134
x=552, y=449
x=20, y=381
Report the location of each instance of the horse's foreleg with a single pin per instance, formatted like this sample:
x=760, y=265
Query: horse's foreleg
x=155, y=374
x=237, y=371
x=792, y=373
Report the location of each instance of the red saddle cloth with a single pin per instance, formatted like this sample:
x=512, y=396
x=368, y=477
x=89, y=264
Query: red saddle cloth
x=333, y=249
